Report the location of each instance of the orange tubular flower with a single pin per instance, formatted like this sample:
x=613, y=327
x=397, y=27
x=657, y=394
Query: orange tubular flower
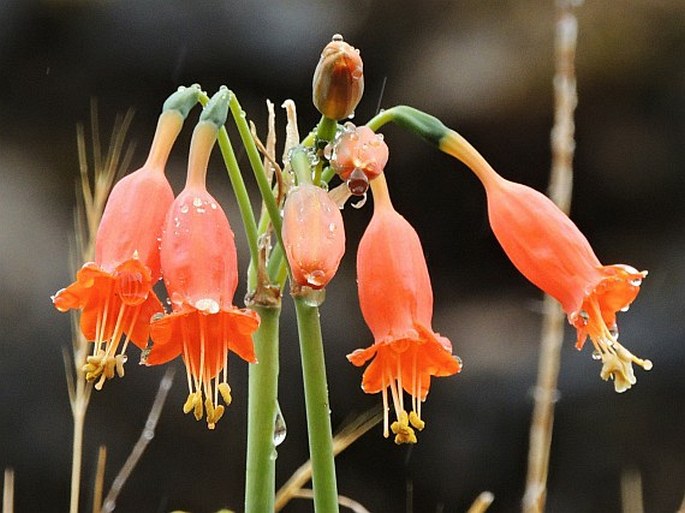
x=313, y=235
x=200, y=269
x=549, y=250
x=396, y=300
x=115, y=292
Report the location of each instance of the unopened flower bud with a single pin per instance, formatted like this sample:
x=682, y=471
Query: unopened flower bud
x=338, y=82
x=313, y=235
x=359, y=148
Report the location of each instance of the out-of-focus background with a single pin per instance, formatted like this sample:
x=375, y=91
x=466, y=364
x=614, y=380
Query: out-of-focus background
x=485, y=69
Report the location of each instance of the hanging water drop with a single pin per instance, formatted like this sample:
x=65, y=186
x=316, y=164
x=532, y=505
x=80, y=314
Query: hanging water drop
x=280, y=429
x=328, y=151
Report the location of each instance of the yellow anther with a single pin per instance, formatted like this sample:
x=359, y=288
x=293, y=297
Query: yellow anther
x=404, y=434
x=198, y=411
x=109, y=368
x=209, y=408
x=119, y=361
x=218, y=412
x=189, y=405
x=93, y=374
x=416, y=421
x=89, y=368
x=225, y=391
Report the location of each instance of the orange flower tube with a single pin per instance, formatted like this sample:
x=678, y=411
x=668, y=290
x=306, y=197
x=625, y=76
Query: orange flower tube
x=549, y=250
x=200, y=268
x=396, y=300
x=115, y=291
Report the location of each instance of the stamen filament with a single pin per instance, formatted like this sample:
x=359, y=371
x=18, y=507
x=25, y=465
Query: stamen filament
x=384, y=393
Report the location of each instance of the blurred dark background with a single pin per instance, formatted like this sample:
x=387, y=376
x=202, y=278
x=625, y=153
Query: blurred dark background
x=485, y=69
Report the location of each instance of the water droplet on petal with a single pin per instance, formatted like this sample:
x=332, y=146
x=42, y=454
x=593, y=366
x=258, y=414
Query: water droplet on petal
x=197, y=202
x=177, y=298
x=316, y=278
x=184, y=209
x=596, y=355
x=207, y=305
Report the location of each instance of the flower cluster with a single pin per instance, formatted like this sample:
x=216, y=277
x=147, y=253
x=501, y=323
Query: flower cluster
x=146, y=235
x=196, y=257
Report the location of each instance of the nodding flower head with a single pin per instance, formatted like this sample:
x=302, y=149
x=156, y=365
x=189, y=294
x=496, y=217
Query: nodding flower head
x=396, y=300
x=199, y=263
x=115, y=291
x=550, y=250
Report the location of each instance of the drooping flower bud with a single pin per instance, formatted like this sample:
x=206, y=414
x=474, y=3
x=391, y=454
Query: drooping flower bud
x=338, y=82
x=313, y=235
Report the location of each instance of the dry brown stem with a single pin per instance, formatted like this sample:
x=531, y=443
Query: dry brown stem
x=560, y=191
x=8, y=491
x=99, y=479
x=144, y=440
x=91, y=197
x=347, y=435
x=482, y=503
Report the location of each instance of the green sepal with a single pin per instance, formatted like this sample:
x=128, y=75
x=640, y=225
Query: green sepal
x=183, y=100
x=216, y=110
x=428, y=127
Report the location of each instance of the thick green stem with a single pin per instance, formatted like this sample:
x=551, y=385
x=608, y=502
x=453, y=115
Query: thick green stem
x=317, y=405
x=261, y=414
x=326, y=129
x=299, y=161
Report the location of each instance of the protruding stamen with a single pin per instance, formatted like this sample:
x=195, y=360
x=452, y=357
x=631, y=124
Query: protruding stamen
x=415, y=420
x=225, y=391
x=384, y=393
x=404, y=434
